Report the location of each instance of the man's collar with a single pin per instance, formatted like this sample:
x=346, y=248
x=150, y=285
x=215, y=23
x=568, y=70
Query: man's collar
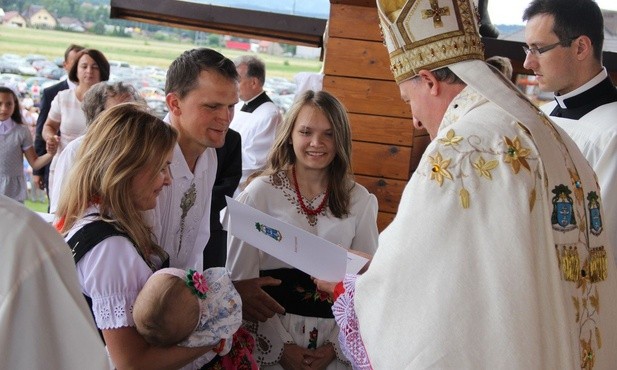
x=562, y=100
x=254, y=103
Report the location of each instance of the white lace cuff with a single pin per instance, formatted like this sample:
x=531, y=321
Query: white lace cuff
x=114, y=312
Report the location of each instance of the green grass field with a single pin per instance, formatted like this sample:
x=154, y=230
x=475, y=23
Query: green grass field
x=36, y=206
x=141, y=52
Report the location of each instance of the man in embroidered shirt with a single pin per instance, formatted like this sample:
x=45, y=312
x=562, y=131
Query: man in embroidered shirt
x=481, y=268
x=564, y=39
x=256, y=116
x=201, y=91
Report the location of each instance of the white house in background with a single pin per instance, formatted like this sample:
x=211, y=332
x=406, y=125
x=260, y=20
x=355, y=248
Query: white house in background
x=13, y=18
x=72, y=24
x=38, y=16
x=307, y=52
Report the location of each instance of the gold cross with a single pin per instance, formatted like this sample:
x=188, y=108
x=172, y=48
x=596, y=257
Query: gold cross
x=436, y=13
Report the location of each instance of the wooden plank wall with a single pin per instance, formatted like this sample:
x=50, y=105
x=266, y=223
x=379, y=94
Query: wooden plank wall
x=386, y=148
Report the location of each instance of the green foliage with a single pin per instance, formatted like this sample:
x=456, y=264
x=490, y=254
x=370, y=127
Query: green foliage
x=289, y=49
x=214, y=40
x=98, y=28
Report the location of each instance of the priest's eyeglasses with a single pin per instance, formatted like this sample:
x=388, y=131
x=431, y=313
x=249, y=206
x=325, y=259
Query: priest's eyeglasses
x=536, y=51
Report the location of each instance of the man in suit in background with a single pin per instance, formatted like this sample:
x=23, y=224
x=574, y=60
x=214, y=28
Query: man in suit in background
x=41, y=176
x=228, y=173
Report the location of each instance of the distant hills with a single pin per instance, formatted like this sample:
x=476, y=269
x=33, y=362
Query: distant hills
x=508, y=29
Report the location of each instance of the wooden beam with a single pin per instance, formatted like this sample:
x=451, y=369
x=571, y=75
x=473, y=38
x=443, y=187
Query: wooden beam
x=376, y=97
x=354, y=22
x=223, y=20
x=365, y=3
x=358, y=58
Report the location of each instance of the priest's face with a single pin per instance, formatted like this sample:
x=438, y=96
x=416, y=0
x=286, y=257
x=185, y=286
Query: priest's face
x=247, y=87
x=426, y=115
x=552, y=63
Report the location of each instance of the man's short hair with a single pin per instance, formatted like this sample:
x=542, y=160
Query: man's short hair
x=255, y=67
x=503, y=64
x=72, y=47
x=183, y=73
x=573, y=18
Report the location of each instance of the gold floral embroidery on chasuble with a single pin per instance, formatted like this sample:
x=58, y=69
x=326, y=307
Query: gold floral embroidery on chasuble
x=464, y=160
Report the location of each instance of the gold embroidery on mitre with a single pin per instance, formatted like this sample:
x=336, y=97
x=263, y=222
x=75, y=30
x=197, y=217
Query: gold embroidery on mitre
x=436, y=13
x=428, y=34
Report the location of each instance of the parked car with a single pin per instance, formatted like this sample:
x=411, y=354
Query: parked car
x=31, y=58
x=26, y=69
x=157, y=107
x=152, y=93
x=13, y=81
x=8, y=66
x=53, y=73
x=41, y=81
x=41, y=64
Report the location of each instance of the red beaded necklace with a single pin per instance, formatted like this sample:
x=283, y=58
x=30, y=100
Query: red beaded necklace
x=307, y=211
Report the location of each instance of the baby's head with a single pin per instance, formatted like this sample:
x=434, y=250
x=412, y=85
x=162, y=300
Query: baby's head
x=166, y=310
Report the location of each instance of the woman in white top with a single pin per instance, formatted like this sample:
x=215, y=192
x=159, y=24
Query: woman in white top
x=308, y=183
x=122, y=167
x=65, y=114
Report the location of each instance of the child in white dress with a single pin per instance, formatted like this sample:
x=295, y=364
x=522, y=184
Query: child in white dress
x=15, y=143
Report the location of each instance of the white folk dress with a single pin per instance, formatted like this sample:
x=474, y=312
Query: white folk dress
x=276, y=196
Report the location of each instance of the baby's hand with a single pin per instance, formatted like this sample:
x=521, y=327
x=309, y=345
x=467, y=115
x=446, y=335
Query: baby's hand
x=219, y=347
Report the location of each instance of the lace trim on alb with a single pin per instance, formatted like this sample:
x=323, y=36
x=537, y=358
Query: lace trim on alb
x=349, y=334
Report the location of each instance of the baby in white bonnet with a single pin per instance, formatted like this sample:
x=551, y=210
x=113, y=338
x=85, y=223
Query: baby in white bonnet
x=190, y=309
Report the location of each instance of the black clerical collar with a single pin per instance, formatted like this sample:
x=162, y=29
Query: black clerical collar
x=250, y=106
x=583, y=103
